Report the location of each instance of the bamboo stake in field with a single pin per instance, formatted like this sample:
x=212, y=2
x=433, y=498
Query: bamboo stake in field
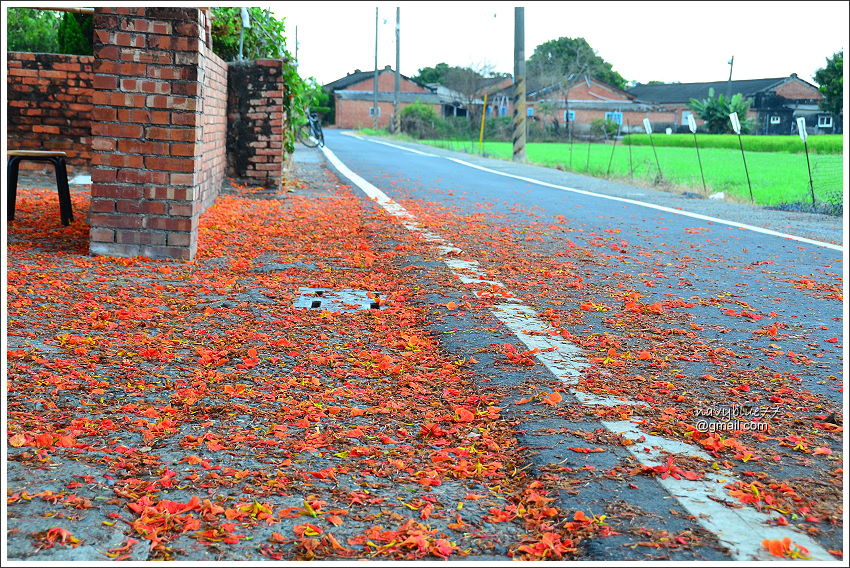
x=628, y=130
x=611, y=159
x=692, y=124
x=648, y=127
x=801, y=130
x=736, y=126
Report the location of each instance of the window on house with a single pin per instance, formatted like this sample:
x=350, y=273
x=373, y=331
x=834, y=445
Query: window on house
x=372, y=111
x=685, y=115
x=615, y=117
x=569, y=116
x=824, y=121
x=530, y=111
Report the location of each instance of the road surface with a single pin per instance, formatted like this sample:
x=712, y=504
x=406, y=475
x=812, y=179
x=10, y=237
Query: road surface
x=659, y=321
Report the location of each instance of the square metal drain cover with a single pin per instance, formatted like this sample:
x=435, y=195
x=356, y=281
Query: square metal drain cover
x=344, y=300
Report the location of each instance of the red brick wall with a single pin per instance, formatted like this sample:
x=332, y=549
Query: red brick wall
x=796, y=90
x=355, y=114
x=157, y=107
x=213, y=150
x=49, y=105
x=255, y=93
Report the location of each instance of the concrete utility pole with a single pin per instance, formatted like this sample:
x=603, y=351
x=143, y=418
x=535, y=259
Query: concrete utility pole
x=731, y=62
x=396, y=125
x=375, y=101
x=519, y=118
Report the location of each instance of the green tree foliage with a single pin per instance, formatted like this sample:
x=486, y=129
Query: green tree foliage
x=555, y=60
x=831, y=84
x=265, y=39
x=318, y=100
x=76, y=34
x=30, y=30
x=715, y=112
x=435, y=74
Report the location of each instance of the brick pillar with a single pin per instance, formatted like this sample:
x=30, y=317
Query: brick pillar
x=255, y=92
x=147, y=131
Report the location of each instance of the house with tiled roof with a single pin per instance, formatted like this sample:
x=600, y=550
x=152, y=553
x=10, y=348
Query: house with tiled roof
x=354, y=97
x=776, y=102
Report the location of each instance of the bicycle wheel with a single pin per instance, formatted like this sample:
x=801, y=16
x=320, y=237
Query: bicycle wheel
x=305, y=136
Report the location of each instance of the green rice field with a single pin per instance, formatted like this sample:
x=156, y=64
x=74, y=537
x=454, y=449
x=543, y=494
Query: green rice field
x=776, y=177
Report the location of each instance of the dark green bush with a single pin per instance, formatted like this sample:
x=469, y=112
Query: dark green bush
x=419, y=120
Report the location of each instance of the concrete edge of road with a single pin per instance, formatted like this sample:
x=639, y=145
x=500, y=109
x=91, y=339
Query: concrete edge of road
x=811, y=228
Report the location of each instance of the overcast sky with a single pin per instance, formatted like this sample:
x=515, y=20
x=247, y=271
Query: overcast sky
x=644, y=41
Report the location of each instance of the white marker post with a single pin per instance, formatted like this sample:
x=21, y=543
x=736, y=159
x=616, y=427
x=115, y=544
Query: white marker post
x=648, y=127
x=736, y=126
x=692, y=124
x=801, y=130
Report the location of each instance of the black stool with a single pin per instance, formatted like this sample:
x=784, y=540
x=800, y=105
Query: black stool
x=58, y=161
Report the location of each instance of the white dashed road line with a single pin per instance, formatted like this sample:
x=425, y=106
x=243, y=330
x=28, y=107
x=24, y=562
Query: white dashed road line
x=741, y=530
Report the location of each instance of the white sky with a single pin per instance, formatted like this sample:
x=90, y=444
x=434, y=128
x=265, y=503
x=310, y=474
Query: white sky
x=664, y=41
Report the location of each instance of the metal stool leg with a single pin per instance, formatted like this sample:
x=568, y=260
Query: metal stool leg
x=12, y=187
x=65, y=209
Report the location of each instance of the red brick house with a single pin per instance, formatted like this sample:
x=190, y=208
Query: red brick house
x=776, y=103
x=585, y=99
x=354, y=95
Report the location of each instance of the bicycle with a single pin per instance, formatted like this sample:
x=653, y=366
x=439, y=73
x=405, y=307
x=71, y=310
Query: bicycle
x=310, y=133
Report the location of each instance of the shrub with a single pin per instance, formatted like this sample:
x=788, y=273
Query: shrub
x=604, y=128
x=419, y=120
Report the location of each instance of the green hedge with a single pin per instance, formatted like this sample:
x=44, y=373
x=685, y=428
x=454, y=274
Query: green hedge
x=819, y=144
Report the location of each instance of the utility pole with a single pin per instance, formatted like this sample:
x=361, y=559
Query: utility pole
x=519, y=117
x=375, y=100
x=731, y=62
x=396, y=125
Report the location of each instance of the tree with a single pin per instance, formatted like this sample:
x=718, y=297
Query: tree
x=831, y=83
x=31, y=30
x=715, y=112
x=555, y=60
x=468, y=83
x=435, y=74
x=318, y=100
x=264, y=39
x=76, y=34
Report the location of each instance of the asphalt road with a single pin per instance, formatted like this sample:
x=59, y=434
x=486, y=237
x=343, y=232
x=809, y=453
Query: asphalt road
x=763, y=287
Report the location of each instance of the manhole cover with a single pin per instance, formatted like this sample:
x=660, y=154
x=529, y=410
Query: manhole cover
x=345, y=300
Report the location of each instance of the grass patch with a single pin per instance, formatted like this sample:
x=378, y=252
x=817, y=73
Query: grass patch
x=821, y=144
x=776, y=177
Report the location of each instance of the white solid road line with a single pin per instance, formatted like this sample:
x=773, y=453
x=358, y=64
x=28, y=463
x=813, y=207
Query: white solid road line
x=657, y=207
x=620, y=199
x=390, y=145
x=740, y=530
